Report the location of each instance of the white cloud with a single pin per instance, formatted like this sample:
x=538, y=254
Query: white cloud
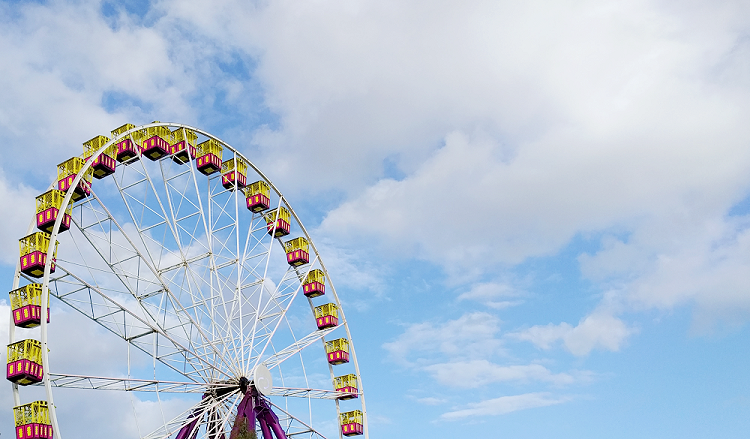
x=488, y=290
x=597, y=330
x=19, y=200
x=652, y=268
x=490, y=293
x=478, y=373
x=470, y=335
x=608, y=124
x=61, y=59
x=355, y=270
x=504, y=405
x=431, y=401
x=458, y=354
x=70, y=74
x=533, y=205
x=356, y=82
x=516, y=128
x=632, y=119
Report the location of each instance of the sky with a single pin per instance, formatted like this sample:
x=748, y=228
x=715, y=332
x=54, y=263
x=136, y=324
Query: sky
x=537, y=214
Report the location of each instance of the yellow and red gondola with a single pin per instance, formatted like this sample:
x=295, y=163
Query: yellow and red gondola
x=129, y=148
x=104, y=164
x=34, y=254
x=258, y=196
x=157, y=141
x=277, y=221
x=26, y=305
x=338, y=351
x=66, y=174
x=327, y=315
x=209, y=155
x=297, y=251
x=347, y=385
x=25, y=362
x=314, y=283
x=184, y=147
x=32, y=421
x=48, y=208
x=351, y=423
x=234, y=173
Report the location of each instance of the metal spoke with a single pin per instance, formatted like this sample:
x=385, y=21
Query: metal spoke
x=291, y=420
x=131, y=384
x=186, y=417
x=282, y=355
x=122, y=321
x=151, y=263
x=310, y=393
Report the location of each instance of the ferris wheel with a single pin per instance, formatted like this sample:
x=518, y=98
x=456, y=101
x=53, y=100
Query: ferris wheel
x=199, y=271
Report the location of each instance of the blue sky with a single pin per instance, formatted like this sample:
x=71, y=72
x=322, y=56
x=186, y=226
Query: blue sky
x=536, y=214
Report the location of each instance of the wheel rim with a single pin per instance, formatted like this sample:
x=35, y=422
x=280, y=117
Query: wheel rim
x=179, y=270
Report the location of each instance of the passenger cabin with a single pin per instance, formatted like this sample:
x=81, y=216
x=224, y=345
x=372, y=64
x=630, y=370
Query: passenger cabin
x=277, y=222
x=129, y=148
x=234, y=173
x=25, y=362
x=34, y=254
x=104, y=164
x=66, y=174
x=183, y=149
x=314, y=283
x=346, y=384
x=258, y=196
x=209, y=156
x=48, y=207
x=157, y=142
x=32, y=421
x=338, y=351
x=327, y=316
x=26, y=305
x=297, y=251
x=351, y=423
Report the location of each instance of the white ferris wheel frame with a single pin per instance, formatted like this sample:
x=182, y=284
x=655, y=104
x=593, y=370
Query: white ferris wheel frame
x=51, y=380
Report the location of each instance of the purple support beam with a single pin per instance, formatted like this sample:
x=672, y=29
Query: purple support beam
x=253, y=406
x=190, y=431
x=245, y=414
x=267, y=419
x=264, y=429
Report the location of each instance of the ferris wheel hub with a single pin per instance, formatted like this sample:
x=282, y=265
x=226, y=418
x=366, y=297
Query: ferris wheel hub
x=262, y=379
x=244, y=382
